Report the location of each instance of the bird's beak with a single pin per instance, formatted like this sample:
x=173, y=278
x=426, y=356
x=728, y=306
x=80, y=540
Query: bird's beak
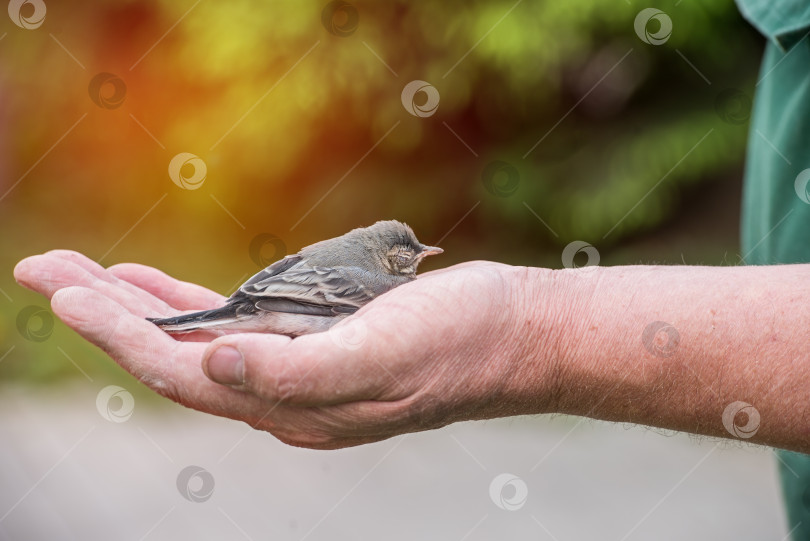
x=429, y=250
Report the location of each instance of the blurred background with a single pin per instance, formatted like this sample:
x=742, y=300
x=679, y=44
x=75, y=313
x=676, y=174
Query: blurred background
x=209, y=139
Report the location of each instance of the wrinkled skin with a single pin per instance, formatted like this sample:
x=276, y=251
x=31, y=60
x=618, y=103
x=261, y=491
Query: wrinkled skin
x=437, y=350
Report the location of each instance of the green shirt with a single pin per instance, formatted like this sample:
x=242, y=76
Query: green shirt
x=776, y=195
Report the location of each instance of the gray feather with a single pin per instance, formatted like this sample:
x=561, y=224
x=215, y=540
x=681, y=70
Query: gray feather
x=312, y=290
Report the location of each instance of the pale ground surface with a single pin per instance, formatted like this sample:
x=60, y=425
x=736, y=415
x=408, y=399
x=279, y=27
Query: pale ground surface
x=67, y=473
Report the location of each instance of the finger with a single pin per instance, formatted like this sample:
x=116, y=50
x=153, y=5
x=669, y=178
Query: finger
x=42, y=274
x=83, y=261
x=104, y=274
x=48, y=273
x=154, y=305
x=312, y=370
x=168, y=367
x=56, y=269
x=178, y=294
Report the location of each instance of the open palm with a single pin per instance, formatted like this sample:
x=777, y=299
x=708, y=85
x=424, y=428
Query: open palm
x=428, y=353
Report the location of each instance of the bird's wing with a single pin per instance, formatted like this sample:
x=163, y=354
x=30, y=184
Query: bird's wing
x=276, y=268
x=311, y=290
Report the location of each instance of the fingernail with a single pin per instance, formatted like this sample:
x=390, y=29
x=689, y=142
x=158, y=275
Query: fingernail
x=226, y=366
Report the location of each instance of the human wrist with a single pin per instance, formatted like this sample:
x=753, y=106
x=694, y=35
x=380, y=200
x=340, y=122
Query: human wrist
x=541, y=323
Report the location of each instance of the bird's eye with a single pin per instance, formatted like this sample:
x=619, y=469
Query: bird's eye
x=403, y=258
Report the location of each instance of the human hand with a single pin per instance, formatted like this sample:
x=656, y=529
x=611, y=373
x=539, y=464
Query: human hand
x=444, y=348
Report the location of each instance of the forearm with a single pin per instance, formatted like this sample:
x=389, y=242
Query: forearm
x=725, y=335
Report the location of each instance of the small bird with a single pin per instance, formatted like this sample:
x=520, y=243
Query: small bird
x=312, y=290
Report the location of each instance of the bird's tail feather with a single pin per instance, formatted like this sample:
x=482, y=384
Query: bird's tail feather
x=198, y=320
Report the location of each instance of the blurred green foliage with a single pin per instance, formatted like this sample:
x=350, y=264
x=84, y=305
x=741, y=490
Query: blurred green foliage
x=604, y=137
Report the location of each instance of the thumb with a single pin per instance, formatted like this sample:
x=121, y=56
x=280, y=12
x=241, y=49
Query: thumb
x=344, y=364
